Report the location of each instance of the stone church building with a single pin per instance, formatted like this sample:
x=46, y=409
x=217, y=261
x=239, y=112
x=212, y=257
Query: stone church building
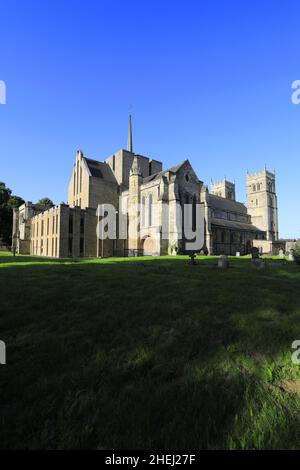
x=126, y=180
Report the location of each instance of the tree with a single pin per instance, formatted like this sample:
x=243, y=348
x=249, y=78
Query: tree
x=45, y=201
x=4, y=194
x=7, y=203
x=15, y=201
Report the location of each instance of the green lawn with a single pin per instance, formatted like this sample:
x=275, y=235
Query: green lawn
x=148, y=353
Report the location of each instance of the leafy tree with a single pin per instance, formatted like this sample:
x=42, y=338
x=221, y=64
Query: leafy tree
x=5, y=194
x=296, y=251
x=15, y=201
x=45, y=201
x=7, y=203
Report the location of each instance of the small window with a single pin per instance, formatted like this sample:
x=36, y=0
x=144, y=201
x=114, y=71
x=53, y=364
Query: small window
x=187, y=177
x=81, y=246
x=70, y=223
x=81, y=225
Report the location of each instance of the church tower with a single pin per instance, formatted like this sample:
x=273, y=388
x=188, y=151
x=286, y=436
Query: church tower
x=224, y=189
x=262, y=202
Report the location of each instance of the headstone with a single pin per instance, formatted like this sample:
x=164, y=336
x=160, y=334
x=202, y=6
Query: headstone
x=291, y=257
x=192, y=259
x=255, y=252
x=238, y=254
x=223, y=262
x=281, y=254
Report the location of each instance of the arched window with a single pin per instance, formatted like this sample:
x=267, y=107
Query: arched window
x=253, y=187
x=150, y=209
x=143, y=210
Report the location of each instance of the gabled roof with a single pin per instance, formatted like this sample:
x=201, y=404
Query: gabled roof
x=235, y=225
x=173, y=169
x=218, y=202
x=100, y=170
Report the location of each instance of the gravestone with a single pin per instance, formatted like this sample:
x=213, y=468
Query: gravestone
x=291, y=257
x=281, y=254
x=238, y=254
x=192, y=259
x=254, y=252
x=223, y=262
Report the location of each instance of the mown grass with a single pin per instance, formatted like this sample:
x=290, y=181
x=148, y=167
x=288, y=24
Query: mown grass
x=148, y=353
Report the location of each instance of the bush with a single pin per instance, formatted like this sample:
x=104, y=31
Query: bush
x=296, y=248
x=296, y=252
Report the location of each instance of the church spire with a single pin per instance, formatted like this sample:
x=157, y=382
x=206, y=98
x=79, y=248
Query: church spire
x=129, y=142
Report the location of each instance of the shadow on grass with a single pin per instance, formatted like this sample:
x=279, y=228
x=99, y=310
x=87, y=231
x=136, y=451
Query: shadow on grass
x=166, y=356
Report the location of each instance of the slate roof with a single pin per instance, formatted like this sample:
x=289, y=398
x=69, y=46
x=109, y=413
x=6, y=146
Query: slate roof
x=217, y=202
x=100, y=170
x=234, y=225
x=158, y=175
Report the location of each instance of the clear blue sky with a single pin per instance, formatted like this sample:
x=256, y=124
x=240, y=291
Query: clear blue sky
x=208, y=81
